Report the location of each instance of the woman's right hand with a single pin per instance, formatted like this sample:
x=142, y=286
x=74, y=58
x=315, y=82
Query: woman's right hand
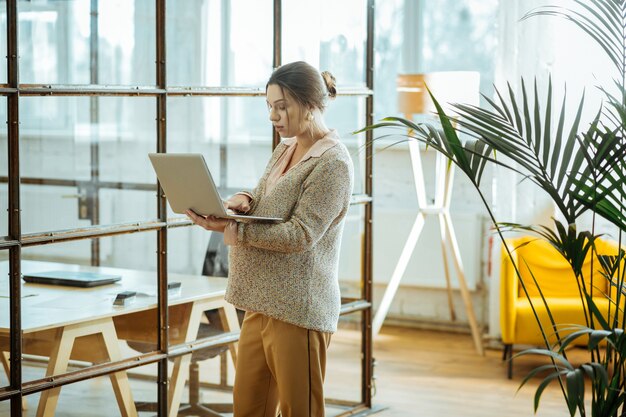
x=239, y=203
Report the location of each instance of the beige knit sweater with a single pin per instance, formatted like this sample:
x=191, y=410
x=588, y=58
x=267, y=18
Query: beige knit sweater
x=288, y=270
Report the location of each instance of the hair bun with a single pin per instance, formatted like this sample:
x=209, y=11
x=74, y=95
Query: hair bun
x=331, y=84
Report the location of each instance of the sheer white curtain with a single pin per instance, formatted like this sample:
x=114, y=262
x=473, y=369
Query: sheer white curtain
x=542, y=48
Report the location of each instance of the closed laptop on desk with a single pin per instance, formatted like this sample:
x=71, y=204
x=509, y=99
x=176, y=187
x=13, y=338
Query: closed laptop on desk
x=71, y=278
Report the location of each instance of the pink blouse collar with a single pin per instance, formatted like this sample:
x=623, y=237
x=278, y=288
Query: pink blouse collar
x=319, y=147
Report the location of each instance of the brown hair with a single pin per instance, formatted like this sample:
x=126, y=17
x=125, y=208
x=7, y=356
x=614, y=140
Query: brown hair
x=305, y=84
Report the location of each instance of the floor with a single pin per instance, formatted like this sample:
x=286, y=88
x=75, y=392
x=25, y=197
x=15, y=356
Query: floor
x=418, y=373
x=434, y=374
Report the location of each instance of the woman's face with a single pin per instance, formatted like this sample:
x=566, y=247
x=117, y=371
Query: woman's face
x=285, y=113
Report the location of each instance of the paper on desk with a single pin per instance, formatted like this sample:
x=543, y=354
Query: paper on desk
x=73, y=303
x=145, y=290
x=23, y=295
x=151, y=292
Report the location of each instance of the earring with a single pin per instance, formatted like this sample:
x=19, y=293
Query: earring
x=309, y=116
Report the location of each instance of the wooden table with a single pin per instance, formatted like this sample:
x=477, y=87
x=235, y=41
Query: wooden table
x=65, y=323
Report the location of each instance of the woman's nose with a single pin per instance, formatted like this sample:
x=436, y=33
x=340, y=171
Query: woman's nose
x=274, y=116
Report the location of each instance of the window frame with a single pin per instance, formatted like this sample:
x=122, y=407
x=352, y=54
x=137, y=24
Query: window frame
x=15, y=240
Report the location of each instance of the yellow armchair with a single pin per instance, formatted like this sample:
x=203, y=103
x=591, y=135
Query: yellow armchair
x=558, y=285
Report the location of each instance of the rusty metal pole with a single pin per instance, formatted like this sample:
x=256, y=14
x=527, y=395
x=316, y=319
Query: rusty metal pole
x=161, y=111
x=277, y=58
x=367, y=372
x=92, y=191
x=15, y=232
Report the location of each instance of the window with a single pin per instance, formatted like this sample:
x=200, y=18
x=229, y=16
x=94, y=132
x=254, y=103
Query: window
x=91, y=104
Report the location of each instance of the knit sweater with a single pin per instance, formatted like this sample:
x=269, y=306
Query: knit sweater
x=288, y=270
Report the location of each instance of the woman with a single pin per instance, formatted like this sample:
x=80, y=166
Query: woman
x=285, y=275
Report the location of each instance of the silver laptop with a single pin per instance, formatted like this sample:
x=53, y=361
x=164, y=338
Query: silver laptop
x=188, y=184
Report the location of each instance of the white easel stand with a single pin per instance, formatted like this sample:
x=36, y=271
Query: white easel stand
x=444, y=176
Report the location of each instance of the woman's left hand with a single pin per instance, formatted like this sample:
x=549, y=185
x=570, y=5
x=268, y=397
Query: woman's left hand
x=212, y=223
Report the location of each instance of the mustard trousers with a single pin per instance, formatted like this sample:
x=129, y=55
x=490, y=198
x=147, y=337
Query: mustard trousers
x=280, y=366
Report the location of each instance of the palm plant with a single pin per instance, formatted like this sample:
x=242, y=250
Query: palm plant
x=582, y=169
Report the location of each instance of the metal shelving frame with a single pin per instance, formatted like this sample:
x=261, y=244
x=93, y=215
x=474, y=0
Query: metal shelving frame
x=15, y=240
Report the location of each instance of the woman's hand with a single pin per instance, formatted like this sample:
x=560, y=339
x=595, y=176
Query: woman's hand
x=212, y=223
x=239, y=203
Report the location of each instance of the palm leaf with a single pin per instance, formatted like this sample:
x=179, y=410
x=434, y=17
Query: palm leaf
x=574, y=246
x=596, y=371
x=575, y=383
x=606, y=197
x=525, y=136
x=602, y=20
x=597, y=313
x=595, y=337
x=544, y=384
x=471, y=157
x=537, y=371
